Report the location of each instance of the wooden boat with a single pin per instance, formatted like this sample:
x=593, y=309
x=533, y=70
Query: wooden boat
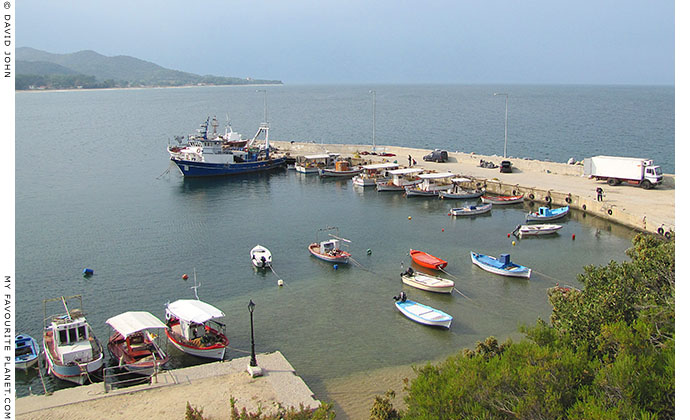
x=471, y=210
x=426, y=282
x=310, y=164
x=26, y=351
x=432, y=184
x=534, y=230
x=370, y=174
x=193, y=327
x=261, y=257
x=502, y=266
x=330, y=250
x=460, y=193
x=72, y=350
x=134, y=344
x=503, y=199
x=341, y=169
x=401, y=179
x=545, y=214
x=422, y=313
x=427, y=260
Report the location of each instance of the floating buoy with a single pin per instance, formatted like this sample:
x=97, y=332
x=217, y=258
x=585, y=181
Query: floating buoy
x=573, y=236
x=280, y=282
x=369, y=251
x=513, y=243
x=185, y=277
x=509, y=235
x=409, y=217
x=442, y=230
x=448, y=214
x=88, y=272
x=335, y=266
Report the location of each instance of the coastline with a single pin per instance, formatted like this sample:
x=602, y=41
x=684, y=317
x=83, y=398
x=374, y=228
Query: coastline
x=146, y=87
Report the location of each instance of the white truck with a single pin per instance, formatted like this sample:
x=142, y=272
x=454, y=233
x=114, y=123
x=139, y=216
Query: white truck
x=615, y=170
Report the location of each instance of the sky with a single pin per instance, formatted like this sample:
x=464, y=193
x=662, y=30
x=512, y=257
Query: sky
x=365, y=41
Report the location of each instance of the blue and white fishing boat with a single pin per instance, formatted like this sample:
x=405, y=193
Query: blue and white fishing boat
x=422, y=313
x=26, y=351
x=73, y=352
x=545, y=213
x=502, y=266
x=219, y=155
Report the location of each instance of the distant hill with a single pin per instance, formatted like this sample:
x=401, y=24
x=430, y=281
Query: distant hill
x=36, y=68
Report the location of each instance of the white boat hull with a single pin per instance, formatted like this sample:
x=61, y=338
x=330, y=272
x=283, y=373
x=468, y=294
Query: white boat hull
x=428, y=283
x=537, y=230
x=424, y=314
x=210, y=353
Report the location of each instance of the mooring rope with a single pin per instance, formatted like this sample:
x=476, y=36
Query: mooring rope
x=165, y=172
x=357, y=263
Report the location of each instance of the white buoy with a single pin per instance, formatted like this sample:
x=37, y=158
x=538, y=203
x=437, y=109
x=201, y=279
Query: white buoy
x=280, y=282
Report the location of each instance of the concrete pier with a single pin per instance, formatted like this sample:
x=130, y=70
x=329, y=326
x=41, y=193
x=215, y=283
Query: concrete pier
x=542, y=182
x=209, y=387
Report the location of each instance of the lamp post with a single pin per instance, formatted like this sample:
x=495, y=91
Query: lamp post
x=252, y=361
x=373, y=118
x=505, y=145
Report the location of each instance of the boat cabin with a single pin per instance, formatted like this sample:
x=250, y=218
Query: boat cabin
x=504, y=259
x=312, y=163
x=328, y=246
x=194, y=318
x=71, y=337
x=405, y=176
x=436, y=181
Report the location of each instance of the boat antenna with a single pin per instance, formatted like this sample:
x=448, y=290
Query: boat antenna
x=196, y=286
x=64, y=303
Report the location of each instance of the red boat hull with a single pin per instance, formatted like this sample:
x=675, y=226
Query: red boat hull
x=427, y=260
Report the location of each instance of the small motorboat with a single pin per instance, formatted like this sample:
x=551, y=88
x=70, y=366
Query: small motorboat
x=503, y=199
x=535, y=230
x=261, y=257
x=342, y=169
x=330, y=250
x=193, y=327
x=502, y=266
x=421, y=313
x=26, y=351
x=134, y=344
x=471, y=210
x=431, y=186
x=460, y=195
x=427, y=260
x=545, y=213
x=426, y=282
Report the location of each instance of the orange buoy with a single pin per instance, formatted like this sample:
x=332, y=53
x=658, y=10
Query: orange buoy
x=573, y=236
x=185, y=277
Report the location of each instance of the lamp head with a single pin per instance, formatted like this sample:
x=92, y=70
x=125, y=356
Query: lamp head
x=251, y=306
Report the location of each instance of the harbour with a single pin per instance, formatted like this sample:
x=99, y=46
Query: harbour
x=142, y=232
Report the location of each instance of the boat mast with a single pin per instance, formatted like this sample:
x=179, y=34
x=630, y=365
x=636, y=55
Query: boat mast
x=373, y=118
x=196, y=286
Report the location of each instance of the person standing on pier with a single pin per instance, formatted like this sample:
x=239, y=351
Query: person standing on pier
x=409, y=159
x=600, y=194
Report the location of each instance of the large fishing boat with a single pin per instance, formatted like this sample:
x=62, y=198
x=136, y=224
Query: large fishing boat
x=217, y=155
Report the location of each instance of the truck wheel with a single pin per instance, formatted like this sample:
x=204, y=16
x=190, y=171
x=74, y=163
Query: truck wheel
x=646, y=184
x=612, y=181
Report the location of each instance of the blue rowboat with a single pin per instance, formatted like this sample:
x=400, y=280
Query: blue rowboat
x=471, y=210
x=545, y=213
x=502, y=266
x=26, y=351
x=424, y=314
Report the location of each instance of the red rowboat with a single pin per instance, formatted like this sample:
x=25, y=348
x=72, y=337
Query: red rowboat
x=427, y=260
x=503, y=199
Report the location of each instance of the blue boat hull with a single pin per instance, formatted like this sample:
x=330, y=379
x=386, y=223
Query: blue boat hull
x=202, y=169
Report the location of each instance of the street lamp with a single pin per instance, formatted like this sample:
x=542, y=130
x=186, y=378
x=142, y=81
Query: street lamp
x=505, y=145
x=373, y=118
x=252, y=361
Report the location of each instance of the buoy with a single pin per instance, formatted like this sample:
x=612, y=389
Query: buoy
x=509, y=235
x=573, y=236
x=409, y=217
x=335, y=266
x=88, y=272
x=513, y=243
x=369, y=251
x=185, y=277
x=442, y=230
x=280, y=282
x=448, y=214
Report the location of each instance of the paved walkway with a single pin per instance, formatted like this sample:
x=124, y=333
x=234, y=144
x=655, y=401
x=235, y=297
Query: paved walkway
x=209, y=386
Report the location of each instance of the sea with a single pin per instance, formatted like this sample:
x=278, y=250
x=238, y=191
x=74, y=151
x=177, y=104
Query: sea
x=95, y=189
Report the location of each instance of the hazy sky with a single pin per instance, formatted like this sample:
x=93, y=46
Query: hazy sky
x=372, y=41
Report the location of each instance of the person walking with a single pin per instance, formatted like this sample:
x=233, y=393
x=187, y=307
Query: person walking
x=600, y=194
x=409, y=159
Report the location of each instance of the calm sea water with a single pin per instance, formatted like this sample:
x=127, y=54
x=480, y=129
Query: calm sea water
x=89, y=193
